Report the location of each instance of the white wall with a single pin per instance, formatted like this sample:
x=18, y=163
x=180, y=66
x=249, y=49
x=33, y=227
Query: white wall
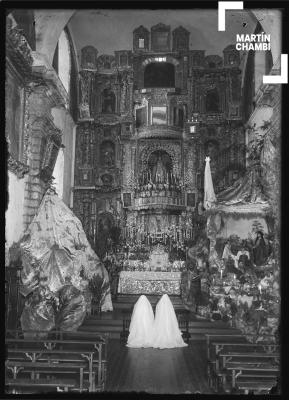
x=65, y=123
x=14, y=213
x=64, y=65
x=58, y=174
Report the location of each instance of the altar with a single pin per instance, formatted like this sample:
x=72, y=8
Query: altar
x=149, y=282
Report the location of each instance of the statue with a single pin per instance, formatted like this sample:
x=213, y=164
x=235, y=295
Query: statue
x=159, y=172
x=260, y=252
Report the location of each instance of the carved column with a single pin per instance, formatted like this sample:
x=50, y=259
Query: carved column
x=87, y=78
x=42, y=148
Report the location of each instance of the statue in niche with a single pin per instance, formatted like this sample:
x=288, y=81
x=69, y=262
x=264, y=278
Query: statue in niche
x=107, y=154
x=160, y=171
x=160, y=165
x=108, y=101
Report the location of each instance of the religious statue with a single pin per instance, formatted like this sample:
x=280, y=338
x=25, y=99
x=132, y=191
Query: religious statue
x=260, y=252
x=159, y=171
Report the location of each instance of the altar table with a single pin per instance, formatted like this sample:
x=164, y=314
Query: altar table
x=149, y=282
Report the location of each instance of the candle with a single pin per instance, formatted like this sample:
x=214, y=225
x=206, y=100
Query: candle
x=221, y=273
x=260, y=289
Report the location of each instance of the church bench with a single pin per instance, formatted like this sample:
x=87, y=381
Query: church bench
x=216, y=343
x=96, y=347
x=229, y=357
x=63, y=356
x=35, y=367
x=222, y=350
x=64, y=384
x=235, y=371
x=255, y=386
x=236, y=338
x=215, y=348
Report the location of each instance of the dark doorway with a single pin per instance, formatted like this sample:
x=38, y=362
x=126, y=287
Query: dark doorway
x=159, y=75
x=212, y=101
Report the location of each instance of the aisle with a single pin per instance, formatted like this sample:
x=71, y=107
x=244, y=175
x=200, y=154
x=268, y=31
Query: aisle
x=174, y=371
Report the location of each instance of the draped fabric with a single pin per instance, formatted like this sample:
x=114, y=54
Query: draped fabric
x=209, y=193
x=141, y=326
x=55, y=246
x=166, y=332
x=246, y=189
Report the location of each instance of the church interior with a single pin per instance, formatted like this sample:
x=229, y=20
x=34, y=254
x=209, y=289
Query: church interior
x=143, y=158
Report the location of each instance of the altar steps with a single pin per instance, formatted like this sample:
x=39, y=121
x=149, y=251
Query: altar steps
x=112, y=323
x=126, y=302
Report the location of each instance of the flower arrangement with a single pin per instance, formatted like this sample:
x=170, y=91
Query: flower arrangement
x=98, y=287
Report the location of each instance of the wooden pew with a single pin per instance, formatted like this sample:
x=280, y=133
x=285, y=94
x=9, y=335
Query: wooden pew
x=255, y=387
x=98, y=346
x=240, y=348
x=64, y=384
x=249, y=371
x=228, y=357
x=16, y=367
x=60, y=356
x=237, y=342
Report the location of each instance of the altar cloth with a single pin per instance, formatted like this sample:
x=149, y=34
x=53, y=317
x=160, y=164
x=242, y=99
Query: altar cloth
x=149, y=282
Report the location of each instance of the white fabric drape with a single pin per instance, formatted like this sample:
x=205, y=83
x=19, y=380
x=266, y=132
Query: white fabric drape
x=166, y=332
x=209, y=193
x=141, y=325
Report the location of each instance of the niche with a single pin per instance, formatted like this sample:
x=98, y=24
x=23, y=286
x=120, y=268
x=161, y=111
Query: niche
x=108, y=101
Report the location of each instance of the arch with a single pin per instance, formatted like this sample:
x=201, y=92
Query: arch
x=160, y=74
x=173, y=151
x=48, y=26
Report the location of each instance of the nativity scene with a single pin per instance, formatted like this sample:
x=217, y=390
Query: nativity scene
x=143, y=216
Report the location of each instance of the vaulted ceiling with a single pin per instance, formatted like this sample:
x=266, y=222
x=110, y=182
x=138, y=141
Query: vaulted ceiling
x=110, y=30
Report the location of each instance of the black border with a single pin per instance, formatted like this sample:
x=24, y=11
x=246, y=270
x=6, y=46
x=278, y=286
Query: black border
x=7, y=5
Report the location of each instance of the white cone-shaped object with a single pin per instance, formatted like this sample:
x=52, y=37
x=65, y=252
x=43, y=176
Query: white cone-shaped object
x=166, y=333
x=141, y=325
x=209, y=193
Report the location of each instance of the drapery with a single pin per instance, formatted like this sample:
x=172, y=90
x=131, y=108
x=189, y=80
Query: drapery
x=209, y=193
x=55, y=247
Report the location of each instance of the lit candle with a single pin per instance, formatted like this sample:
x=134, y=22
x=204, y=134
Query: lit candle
x=260, y=289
